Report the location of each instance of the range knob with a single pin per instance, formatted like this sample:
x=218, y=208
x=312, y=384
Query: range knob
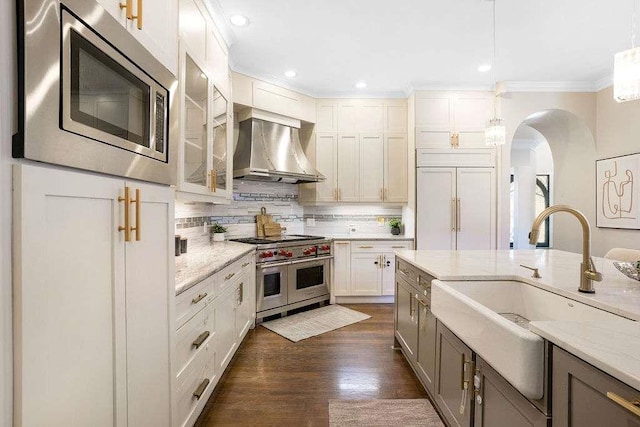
x=282, y=252
x=307, y=252
x=289, y=254
x=312, y=249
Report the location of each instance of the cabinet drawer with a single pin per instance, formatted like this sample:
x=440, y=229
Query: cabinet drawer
x=230, y=275
x=200, y=372
x=194, y=336
x=379, y=246
x=193, y=300
x=406, y=271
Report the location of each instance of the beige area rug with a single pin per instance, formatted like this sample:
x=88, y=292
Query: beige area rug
x=310, y=323
x=383, y=412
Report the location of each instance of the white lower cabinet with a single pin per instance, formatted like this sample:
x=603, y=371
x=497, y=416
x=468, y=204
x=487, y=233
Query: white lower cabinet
x=94, y=320
x=214, y=316
x=365, y=268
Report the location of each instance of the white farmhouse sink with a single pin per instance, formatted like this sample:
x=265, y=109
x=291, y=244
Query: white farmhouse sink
x=479, y=312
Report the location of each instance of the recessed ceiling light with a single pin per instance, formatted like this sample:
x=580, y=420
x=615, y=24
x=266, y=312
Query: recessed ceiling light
x=291, y=74
x=239, y=20
x=361, y=85
x=484, y=68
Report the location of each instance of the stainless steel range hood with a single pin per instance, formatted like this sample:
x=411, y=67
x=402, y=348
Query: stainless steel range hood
x=268, y=151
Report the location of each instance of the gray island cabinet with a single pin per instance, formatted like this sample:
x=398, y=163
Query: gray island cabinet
x=584, y=396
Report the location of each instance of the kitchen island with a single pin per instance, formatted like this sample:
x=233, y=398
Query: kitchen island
x=608, y=347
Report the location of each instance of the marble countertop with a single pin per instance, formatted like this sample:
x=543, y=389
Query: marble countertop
x=614, y=349
x=203, y=261
x=367, y=237
x=560, y=273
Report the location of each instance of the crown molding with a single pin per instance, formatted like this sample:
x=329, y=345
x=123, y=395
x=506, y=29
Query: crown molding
x=285, y=83
x=604, y=82
x=557, y=86
x=449, y=87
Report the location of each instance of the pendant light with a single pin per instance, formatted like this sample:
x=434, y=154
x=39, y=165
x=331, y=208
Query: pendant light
x=495, y=133
x=626, y=68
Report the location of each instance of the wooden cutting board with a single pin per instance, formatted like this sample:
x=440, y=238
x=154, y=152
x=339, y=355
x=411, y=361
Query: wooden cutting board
x=272, y=229
x=261, y=220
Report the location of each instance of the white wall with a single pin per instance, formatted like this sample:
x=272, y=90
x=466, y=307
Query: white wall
x=7, y=127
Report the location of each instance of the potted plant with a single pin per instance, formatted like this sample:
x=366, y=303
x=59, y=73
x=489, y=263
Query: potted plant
x=395, y=224
x=218, y=232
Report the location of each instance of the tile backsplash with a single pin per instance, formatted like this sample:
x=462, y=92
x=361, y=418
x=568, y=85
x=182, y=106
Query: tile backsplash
x=281, y=201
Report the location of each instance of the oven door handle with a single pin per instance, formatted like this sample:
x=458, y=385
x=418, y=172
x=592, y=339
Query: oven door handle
x=300, y=261
x=279, y=264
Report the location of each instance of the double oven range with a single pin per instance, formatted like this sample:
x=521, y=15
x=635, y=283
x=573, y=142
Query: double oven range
x=291, y=272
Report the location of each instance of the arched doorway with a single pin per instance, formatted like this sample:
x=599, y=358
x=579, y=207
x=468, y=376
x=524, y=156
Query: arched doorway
x=569, y=161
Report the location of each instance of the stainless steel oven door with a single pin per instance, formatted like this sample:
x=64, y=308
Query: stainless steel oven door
x=309, y=279
x=271, y=282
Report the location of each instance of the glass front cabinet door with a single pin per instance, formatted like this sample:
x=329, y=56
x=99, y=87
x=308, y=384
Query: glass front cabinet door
x=204, y=171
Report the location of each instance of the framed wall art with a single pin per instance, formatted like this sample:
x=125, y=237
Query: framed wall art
x=618, y=192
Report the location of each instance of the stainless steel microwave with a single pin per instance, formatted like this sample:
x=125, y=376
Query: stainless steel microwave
x=90, y=95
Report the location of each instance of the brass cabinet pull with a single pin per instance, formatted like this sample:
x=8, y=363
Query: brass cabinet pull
x=201, y=338
x=127, y=202
x=455, y=140
x=453, y=214
x=199, y=298
x=138, y=16
x=341, y=243
x=229, y=276
x=241, y=293
x=245, y=264
x=137, y=203
x=213, y=180
x=382, y=194
x=398, y=247
x=201, y=388
x=127, y=6
x=458, y=215
x=633, y=406
x=366, y=247
x=410, y=305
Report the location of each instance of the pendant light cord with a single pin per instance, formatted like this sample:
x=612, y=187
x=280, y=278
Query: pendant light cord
x=495, y=83
x=634, y=20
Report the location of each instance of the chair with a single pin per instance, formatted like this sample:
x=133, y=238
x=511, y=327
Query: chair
x=622, y=254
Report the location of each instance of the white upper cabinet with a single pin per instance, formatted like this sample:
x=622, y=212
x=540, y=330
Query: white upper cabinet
x=326, y=157
x=348, y=115
x=395, y=168
x=370, y=115
x=452, y=120
x=395, y=115
x=472, y=110
x=153, y=22
x=193, y=27
x=275, y=99
x=434, y=111
x=204, y=166
x=371, y=179
x=347, y=167
x=326, y=115
x=268, y=97
x=370, y=156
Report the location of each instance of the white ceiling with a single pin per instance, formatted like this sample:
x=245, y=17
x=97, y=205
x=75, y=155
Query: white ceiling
x=398, y=45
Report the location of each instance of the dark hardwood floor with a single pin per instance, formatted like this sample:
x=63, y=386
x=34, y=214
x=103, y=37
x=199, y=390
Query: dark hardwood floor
x=272, y=381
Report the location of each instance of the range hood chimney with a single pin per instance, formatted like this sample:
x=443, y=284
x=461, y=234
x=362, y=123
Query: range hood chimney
x=268, y=151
